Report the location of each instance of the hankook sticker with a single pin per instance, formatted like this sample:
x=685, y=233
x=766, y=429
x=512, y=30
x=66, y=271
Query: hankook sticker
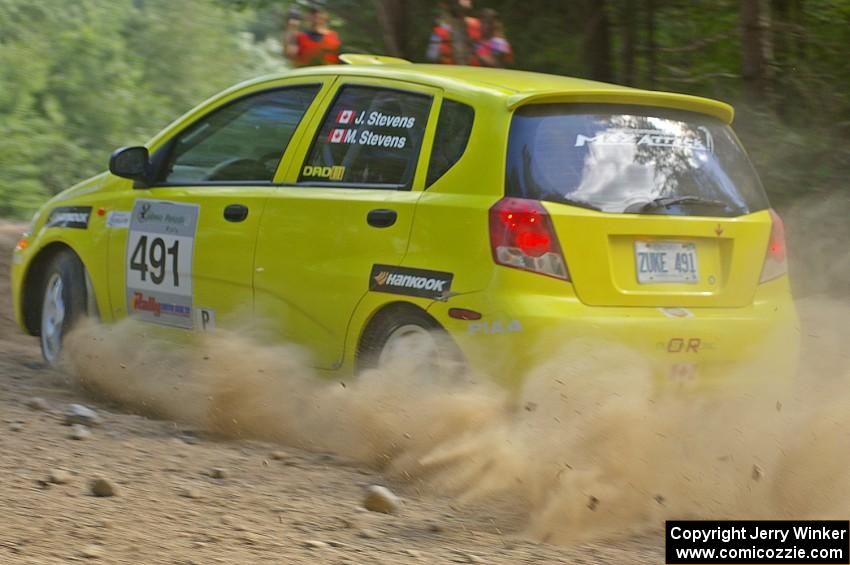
x=69, y=217
x=160, y=247
x=411, y=282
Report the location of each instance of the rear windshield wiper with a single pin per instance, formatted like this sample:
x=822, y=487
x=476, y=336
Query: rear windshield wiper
x=667, y=201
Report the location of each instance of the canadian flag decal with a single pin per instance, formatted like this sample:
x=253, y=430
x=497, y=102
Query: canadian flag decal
x=345, y=117
x=336, y=135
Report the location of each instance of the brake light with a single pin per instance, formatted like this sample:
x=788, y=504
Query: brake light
x=522, y=236
x=775, y=261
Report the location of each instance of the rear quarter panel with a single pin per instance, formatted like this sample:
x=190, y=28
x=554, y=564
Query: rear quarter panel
x=450, y=230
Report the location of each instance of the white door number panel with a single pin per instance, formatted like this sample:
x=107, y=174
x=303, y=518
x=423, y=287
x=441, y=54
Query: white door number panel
x=158, y=264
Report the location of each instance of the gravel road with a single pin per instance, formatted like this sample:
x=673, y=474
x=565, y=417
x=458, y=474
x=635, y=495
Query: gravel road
x=183, y=497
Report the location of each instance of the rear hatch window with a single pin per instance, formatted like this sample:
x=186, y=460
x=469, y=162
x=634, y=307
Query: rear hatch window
x=630, y=159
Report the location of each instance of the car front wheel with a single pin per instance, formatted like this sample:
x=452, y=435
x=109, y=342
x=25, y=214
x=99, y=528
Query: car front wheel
x=63, y=303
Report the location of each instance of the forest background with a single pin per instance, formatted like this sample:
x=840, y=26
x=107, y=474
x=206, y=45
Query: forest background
x=78, y=79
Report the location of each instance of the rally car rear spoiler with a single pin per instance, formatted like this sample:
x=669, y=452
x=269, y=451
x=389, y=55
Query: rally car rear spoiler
x=714, y=108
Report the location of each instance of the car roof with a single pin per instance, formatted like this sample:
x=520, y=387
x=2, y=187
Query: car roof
x=516, y=87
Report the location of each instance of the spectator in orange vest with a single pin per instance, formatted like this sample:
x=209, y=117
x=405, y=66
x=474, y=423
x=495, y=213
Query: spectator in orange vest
x=455, y=35
x=317, y=46
x=493, y=50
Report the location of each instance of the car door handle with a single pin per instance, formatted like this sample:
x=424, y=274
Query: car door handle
x=235, y=213
x=381, y=218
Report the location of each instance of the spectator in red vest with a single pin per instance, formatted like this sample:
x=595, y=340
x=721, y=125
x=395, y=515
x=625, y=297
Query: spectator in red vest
x=317, y=46
x=493, y=50
x=455, y=35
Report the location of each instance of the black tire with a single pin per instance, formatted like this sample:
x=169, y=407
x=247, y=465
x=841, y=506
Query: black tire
x=66, y=270
x=396, y=318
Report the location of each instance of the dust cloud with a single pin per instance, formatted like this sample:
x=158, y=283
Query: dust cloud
x=588, y=447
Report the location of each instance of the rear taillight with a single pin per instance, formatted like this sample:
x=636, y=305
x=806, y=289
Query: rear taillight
x=522, y=236
x=775, y=261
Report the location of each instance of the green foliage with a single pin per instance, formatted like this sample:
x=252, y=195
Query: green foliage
x=78, y=79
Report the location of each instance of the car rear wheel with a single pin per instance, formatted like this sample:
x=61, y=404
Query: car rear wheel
x=63, y=303
x=408, y=338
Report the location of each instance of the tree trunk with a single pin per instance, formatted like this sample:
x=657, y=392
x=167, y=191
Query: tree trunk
x=629, y=27
x=597, y=41
x=781, y=33
x=392, y=15
x=800, y=17
x=752, y=49
x=651, y=54
x=780, y=11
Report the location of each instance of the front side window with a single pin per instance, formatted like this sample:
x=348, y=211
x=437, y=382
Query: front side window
x=370, y=137
x=630, y=159
x=241, y=142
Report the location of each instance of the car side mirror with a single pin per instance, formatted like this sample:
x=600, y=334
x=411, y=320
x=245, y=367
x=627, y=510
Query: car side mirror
x=132, y=163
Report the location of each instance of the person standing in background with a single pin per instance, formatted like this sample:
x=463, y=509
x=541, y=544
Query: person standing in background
x=493, y=50
x=319, y=45
x=454, y=37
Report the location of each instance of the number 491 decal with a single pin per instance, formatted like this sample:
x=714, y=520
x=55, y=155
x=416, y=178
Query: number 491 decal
x=157, y=257
x=158, y=269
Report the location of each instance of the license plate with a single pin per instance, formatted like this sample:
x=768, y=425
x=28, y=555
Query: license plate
x=666, y=262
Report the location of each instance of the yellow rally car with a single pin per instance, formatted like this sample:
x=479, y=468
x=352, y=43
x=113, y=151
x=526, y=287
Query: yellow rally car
x=345, y=208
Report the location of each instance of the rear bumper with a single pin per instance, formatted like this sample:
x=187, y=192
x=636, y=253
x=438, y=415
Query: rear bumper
x=696, y=347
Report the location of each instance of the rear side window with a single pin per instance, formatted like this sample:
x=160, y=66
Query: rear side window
x=240, y=142
x=631, y=159
x=453, y=128
x=370, y=137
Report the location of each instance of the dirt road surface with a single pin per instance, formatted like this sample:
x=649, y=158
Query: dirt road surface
x=183, y=497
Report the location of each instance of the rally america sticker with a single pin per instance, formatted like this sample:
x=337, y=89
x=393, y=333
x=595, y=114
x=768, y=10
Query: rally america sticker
x=158, y=268
x=410, y=282
x=69, y=217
